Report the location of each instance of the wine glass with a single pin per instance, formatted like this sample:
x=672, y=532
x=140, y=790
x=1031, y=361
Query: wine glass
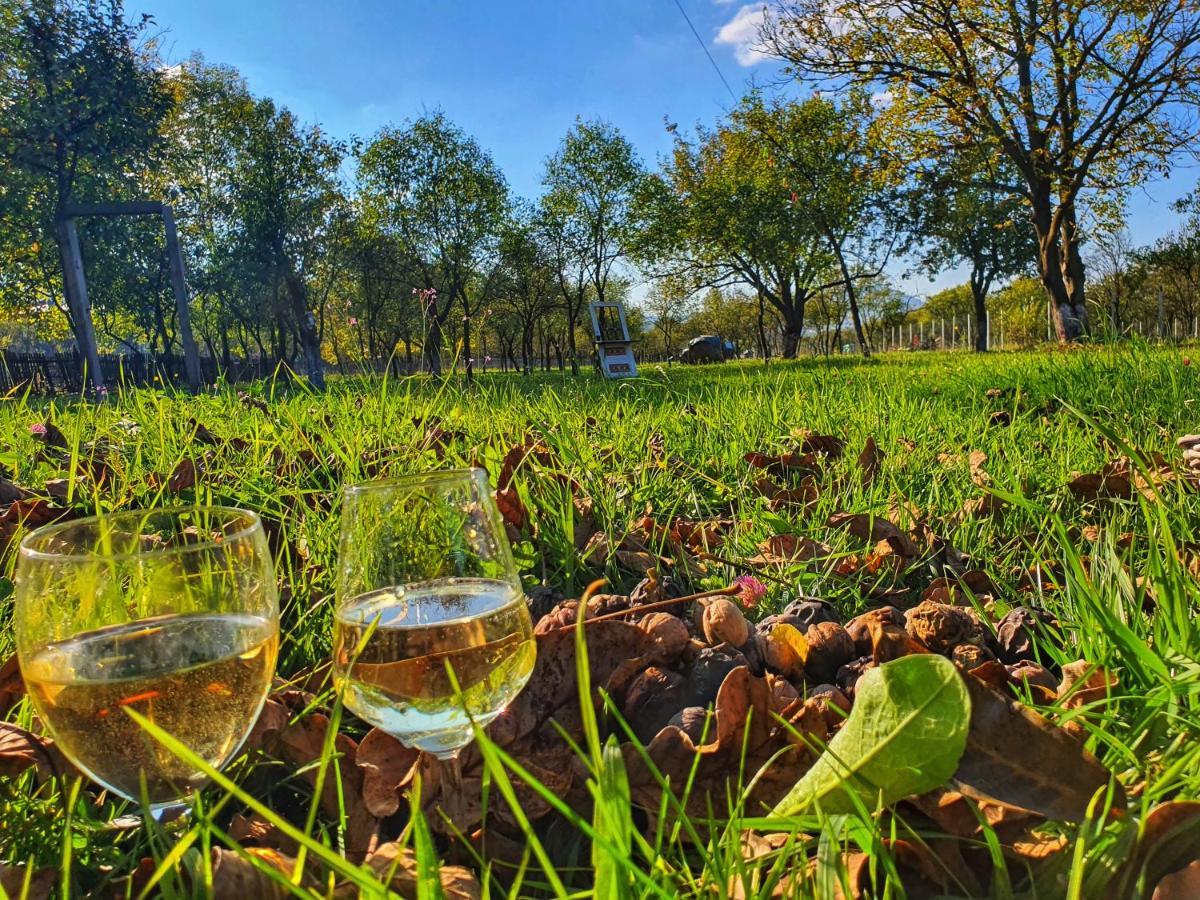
x=431, y=631
x=171, y=613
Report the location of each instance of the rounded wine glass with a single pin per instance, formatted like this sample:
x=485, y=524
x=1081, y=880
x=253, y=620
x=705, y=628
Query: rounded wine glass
x=432, y=632
x=170, y=613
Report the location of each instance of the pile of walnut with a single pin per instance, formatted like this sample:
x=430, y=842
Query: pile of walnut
x=710, y=682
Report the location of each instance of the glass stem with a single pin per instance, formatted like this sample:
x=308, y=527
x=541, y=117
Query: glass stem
x=451, y=774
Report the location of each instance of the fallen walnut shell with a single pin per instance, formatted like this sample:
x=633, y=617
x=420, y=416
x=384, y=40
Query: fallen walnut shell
x=829, y=648
x=708, y=670
x=668, y=632
x=724, y=623
x=848, y=675
x=859, y=629
x=1032, y=673
x=652, y=699
x=652, y=590
x=563, y=615
x=969, y=656
x=690, y=720
x=941, y=627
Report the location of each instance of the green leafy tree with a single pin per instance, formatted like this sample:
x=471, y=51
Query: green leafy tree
x=723, y=211
x=828, y=152
x=1081, y=96
x=528, y=281
x=589, y=183
x=440, y=195
x=969, y=211
x=81, y=101
x=286, y=197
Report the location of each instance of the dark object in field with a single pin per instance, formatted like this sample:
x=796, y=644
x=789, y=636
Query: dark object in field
x=829, y=648
x=807, y=611
x=707, y=348
x=848, y=675
x=541, y=599
x=709, y=669
x=1015, y=635
x=652, y=590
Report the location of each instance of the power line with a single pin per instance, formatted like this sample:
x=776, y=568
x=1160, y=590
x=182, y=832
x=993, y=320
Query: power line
x=704, y=47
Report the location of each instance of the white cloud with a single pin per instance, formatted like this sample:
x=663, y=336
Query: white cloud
x=742, y=33
x=882, y=99
x=723, y=2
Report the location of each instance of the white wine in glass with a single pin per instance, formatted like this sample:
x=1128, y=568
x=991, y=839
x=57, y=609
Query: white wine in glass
x=170, y=614
x=432, y=632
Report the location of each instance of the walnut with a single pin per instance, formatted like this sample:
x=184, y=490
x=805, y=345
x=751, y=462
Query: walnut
x=848, y=675
x=829, y=648
x=1032, y=673
x=668, y=632
x=690, y=720
x=860, y=631
x=652, y=699
x=969, y=656
x=941, y=627
x=603, y=604
x=779, y=653
x=562, y=615
x=724, y=623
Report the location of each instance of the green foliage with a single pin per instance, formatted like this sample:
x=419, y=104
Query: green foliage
x=905, y=735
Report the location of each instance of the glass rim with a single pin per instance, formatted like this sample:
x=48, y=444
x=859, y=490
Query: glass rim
x=26, y=549
x=417, y=479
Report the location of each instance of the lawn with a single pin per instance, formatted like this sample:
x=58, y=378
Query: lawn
x=1048, y=481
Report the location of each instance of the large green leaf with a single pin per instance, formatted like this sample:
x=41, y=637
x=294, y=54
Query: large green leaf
x=905, y=736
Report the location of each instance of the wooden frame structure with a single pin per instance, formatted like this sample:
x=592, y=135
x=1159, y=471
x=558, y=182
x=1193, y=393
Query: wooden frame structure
x=75, y=283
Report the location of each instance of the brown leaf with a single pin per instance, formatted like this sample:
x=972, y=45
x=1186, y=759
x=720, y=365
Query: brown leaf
x=1169, y=838
x=183, y=476
x=828, y=444
x=12, y=685
x=20, y=749
x=781, y=549
x=1095, y=485
x=874, y=529
x=637, y=561
x=10, y=492
x=1181, y=885
x=397, y=866
x=41, y=881
x=272, y=720
x=975, y=460
x=236, y=877
x=870, y=460
x=258, y=832
x=1037, y=847
x=1016, y=757
x=806, y=494
x=512, y=510
x=386, y=764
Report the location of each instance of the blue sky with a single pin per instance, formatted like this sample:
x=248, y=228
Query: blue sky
x=513, y=73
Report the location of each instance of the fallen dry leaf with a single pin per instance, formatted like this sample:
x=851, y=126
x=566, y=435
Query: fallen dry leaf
x=1168, y=840
x=238, y=877
x=41, y=881
x=386, y=764
x=1016, y=757
x=1181, y=885
x=870, y=460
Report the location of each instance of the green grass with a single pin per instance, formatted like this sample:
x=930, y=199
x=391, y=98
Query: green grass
x=1068, y=413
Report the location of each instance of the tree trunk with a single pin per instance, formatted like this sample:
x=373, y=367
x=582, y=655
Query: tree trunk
x=433, y=345
x=851, y=298
x=571, y=350
x=762, y=328
x=310, y=341
x=466, y=323
x=981, y=315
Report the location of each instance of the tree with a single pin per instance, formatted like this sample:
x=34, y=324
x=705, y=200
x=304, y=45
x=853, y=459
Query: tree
x=667, y=310
x=440, y=195
x=827, y=151
x=528, y=281
x=81, y=100
x=724, y=212
x=1079, y=95
x=1115, y=260
x=589, y=182
x=285, y=199
x=968, y=211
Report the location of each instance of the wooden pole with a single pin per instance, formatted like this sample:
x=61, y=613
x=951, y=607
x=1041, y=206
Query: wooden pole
x=75, y=287
x=191, y=356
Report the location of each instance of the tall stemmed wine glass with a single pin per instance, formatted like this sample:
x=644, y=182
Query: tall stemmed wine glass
x=431, y=631
x=170, y=613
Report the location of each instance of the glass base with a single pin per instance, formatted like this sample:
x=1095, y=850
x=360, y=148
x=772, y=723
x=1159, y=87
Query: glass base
x=164, y=814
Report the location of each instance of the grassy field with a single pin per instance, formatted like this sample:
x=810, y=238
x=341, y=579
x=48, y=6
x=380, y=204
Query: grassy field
x=1114, y=562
